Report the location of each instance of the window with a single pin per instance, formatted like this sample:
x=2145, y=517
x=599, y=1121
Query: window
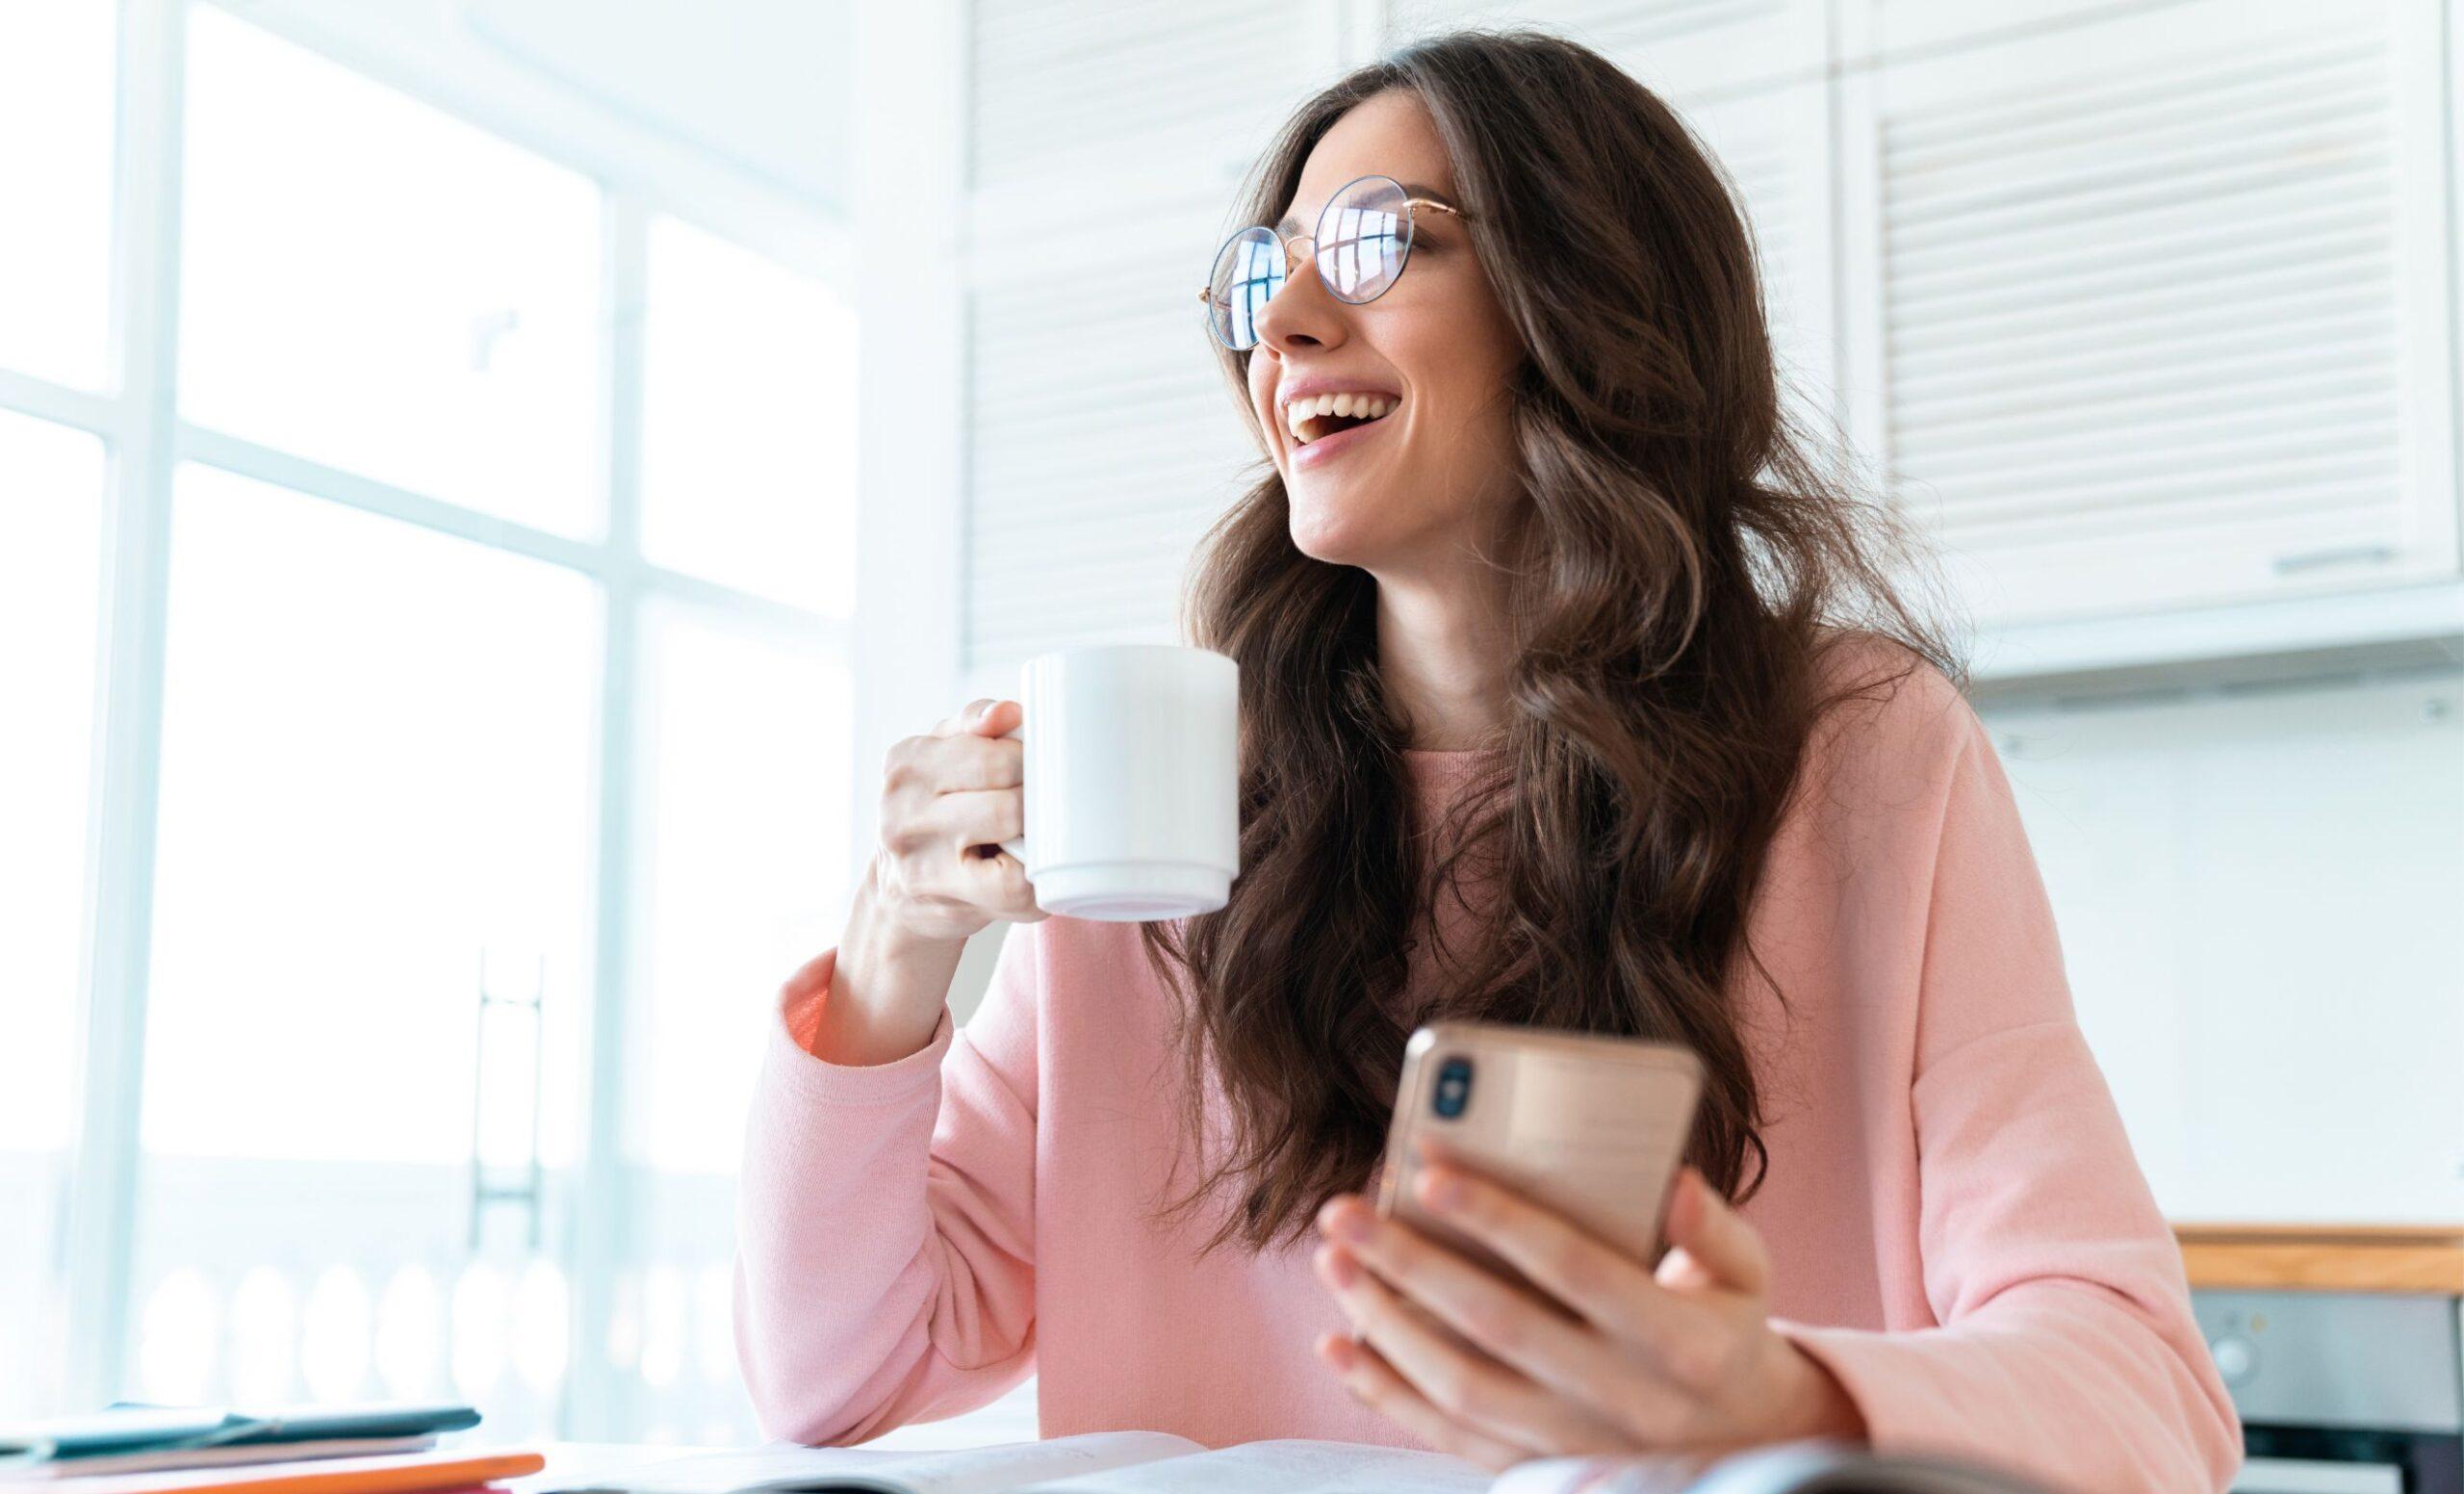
x=749, y=421
x=375, y=794
x=56, y=61
x=476, y=848
x=745, y=775
x=51, y=491
x=375, y=285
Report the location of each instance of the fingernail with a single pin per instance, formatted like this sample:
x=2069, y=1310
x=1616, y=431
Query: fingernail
x=1340, y=1268
x=1440, y=1189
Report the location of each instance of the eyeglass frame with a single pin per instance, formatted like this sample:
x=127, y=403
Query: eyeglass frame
x=1291, y=262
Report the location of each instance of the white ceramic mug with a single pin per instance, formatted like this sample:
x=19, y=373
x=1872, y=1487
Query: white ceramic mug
x=1132, y=781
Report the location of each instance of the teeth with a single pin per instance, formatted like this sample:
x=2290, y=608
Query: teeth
x=1367, y=406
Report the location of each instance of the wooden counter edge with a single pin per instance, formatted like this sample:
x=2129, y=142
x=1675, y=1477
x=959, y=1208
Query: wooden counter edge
x=2324, y=1257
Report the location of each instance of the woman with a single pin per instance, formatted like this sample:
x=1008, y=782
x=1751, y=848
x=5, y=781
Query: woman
x=1549, y=579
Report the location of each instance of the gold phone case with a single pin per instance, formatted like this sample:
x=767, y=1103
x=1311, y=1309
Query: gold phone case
x=1589, y=1127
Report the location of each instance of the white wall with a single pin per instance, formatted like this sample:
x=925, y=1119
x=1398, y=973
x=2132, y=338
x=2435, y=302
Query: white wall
x=2260, y=891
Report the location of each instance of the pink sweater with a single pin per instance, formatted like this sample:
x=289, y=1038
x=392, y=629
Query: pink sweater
x=1956, y=1225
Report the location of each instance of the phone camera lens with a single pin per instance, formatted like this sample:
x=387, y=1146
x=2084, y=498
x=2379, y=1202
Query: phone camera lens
x=1454, y=1087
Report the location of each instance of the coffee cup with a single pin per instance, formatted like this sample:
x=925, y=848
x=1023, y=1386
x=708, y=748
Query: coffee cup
x=1130, y=781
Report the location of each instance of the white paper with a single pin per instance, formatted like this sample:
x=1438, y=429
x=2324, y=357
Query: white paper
x=1665, y=1472
x=1287, y=1466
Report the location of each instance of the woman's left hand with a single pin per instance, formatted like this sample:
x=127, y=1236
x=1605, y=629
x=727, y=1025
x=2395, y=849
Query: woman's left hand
x=1637, y=1361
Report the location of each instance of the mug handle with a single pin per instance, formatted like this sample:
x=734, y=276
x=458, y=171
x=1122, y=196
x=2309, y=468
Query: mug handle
x=1019, y=846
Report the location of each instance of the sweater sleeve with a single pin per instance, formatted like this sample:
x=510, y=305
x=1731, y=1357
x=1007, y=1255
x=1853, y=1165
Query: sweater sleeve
x=884, y=1268
x=2064, y=1349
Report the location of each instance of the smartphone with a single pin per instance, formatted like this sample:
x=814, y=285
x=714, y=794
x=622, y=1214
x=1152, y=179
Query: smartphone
x=1588, y=1127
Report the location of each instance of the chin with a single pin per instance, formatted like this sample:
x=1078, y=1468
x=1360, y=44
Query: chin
x=1329, y=527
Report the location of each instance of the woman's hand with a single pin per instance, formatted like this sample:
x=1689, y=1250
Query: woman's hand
x=1617, y=1358
x=949, y=798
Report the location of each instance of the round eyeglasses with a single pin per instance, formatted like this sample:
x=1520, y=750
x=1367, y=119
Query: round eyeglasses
x=1363, y=240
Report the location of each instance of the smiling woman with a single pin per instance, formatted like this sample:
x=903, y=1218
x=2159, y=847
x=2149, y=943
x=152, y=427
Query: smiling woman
x=1575, y=693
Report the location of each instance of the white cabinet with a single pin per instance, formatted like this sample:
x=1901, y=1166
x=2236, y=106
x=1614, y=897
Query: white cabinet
x=1874, y=29
x=2154, y=311
x=1679, y=49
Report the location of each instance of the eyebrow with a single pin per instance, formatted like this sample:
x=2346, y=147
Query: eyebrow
x=1290, y=225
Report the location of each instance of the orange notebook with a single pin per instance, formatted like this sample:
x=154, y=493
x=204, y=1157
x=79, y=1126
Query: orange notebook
x=400, y=1473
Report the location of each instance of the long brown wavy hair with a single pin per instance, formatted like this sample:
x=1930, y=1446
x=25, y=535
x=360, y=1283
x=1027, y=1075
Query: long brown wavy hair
x=1679, y=557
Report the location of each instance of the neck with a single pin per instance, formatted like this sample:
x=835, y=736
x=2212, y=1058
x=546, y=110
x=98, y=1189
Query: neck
x=1445, y=663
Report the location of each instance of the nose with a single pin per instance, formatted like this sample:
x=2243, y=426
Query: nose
x=1301, y=313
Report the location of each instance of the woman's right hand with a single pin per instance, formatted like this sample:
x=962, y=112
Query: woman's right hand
x=949, y=797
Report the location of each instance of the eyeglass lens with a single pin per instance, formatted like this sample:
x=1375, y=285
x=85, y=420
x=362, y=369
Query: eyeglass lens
x=1365, y=234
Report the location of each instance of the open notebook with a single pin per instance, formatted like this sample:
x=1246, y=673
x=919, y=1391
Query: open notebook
x=1153, y=1462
